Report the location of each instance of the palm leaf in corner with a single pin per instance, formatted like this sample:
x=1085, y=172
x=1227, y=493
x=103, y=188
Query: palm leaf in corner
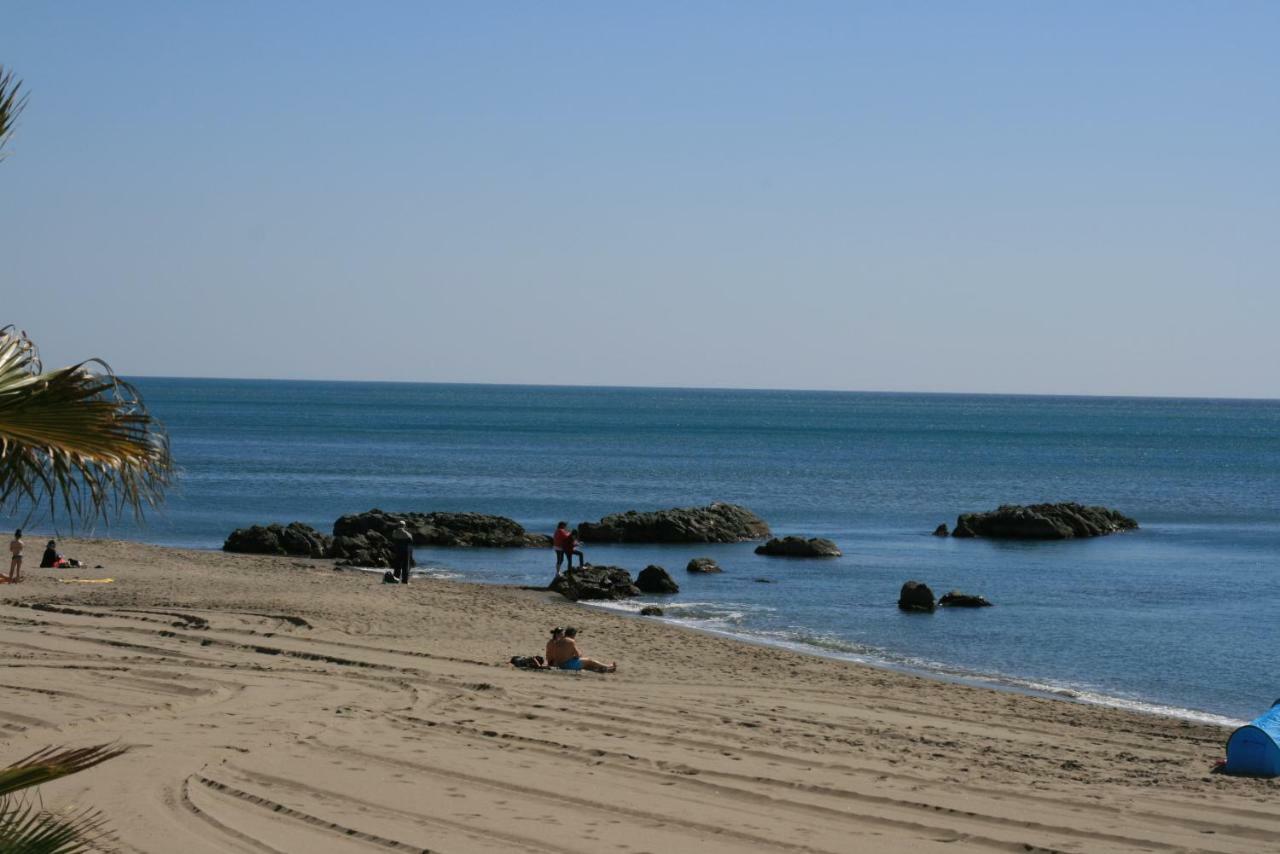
x=11, y=104
x=77, y=440
x=24, y=829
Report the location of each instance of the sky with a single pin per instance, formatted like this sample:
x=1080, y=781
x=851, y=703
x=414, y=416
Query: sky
x=1066, y=197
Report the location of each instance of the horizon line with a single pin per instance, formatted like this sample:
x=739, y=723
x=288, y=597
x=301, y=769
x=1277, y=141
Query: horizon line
x=623, y=387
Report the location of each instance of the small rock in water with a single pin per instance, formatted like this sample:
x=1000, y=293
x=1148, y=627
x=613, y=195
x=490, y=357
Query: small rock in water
x=799, y=547
x=763, y=580
x=916, y=596
x=956, y=599
x=654, y=579
x=651, y=611
x=941, y=530
x=703, y=564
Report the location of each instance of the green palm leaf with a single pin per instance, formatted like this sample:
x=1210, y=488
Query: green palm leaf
x=27, y=830
x=76, y=440
x=11, y=104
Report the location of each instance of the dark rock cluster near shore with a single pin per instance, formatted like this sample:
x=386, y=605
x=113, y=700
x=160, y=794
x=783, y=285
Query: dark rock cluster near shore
x=364, y=539
x=595, y=582
x=715, y=523
x=799, y=547
x=1043, y=522
x=295, y=539
x=655, y=579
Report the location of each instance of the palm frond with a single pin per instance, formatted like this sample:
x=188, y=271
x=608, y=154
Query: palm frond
x=12, y=100
x=49, y=764
x=26, y=830
x=77, y=440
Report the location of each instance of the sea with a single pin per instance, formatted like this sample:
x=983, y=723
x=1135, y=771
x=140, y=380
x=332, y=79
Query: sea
x=1180, y=617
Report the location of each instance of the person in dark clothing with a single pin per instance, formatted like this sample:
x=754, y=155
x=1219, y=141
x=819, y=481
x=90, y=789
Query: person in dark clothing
x=52, y=560
x=402, y=544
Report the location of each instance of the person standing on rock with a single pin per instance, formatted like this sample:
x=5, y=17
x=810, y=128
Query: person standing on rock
x=562, y=542
x=572, y=549
x=402, y=546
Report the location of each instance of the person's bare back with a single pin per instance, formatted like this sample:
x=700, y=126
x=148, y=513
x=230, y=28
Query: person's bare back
x=562, y=652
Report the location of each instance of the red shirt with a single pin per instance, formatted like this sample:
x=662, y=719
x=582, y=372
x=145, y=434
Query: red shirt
x=562, y=539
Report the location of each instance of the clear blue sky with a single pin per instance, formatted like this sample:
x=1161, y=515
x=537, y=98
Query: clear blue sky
x=1065, y=197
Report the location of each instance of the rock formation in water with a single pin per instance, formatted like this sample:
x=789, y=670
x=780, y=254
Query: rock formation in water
x=595, y=582
x=799, y=547
x=941, y=530
x=452, y=530
x=294, y=539
x=715, y=523
x=369, y=549
x=916, y=596
x=1043, y=522
x=651, y=611
x=654, y=579
x=956, y=599
x=702, y=565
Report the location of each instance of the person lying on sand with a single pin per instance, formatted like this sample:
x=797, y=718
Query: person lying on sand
x=562, y=652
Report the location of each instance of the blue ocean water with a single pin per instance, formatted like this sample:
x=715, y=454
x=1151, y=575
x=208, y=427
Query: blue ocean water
x=1179, y=616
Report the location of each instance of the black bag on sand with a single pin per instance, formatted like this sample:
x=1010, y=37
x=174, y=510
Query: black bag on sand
x=389, y=577
x=528, y=662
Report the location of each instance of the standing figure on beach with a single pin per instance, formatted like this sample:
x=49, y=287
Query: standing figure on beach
x=15, y=557
x=562, y=653
x=402, y=557
x=562, y=541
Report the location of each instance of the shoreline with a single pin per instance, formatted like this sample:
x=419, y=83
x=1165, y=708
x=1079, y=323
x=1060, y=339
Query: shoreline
x=267, y=699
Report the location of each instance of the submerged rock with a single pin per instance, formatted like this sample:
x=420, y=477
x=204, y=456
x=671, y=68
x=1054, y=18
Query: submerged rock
x=715, y=523
x=651, y=611
x=956, y=599
x=454, y=530
x=703, y=565
x=654, y=579
x=294, y=539
x=916, y=596
x=595, y=582
x=799, y=547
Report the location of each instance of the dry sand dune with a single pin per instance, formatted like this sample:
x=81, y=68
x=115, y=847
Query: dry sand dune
x=277, y=705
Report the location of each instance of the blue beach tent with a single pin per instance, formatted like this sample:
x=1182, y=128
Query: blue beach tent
x=1254, y=749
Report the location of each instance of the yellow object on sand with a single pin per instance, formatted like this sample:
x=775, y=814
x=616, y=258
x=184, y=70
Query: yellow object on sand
x=86, y=580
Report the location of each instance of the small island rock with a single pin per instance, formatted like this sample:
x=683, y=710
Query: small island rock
x=1061, y=521
x=703, y=565
x=453, y=530
x=956, y=599
x=654, y=579
x=941, y=530
x=595, y=582
x=799, y=547
x=715, y=523
x=916, y=596
x=294, y=539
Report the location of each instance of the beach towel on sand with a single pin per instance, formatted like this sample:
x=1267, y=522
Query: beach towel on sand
x=86, y=580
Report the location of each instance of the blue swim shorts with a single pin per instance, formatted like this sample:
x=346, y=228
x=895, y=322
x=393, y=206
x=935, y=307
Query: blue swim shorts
x=571, y=664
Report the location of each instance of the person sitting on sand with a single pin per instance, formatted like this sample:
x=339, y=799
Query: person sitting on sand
x=562, y=653
x=52, y=560
x=15, y=557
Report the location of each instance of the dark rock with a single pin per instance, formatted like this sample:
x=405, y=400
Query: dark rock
x=941, y=530
x=1043, y=522
x=703, y=565
x=956, y=599
x=651, y=611
x=916, y=596
x=595, y=582
x=715, y=523
x=654, y=579
x=763, y=580
x=371, y=549
x=293, y=539
x=799, y=547
x=444, y=529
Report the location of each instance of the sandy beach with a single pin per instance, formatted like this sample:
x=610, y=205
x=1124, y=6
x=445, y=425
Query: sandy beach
x=274, y=704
